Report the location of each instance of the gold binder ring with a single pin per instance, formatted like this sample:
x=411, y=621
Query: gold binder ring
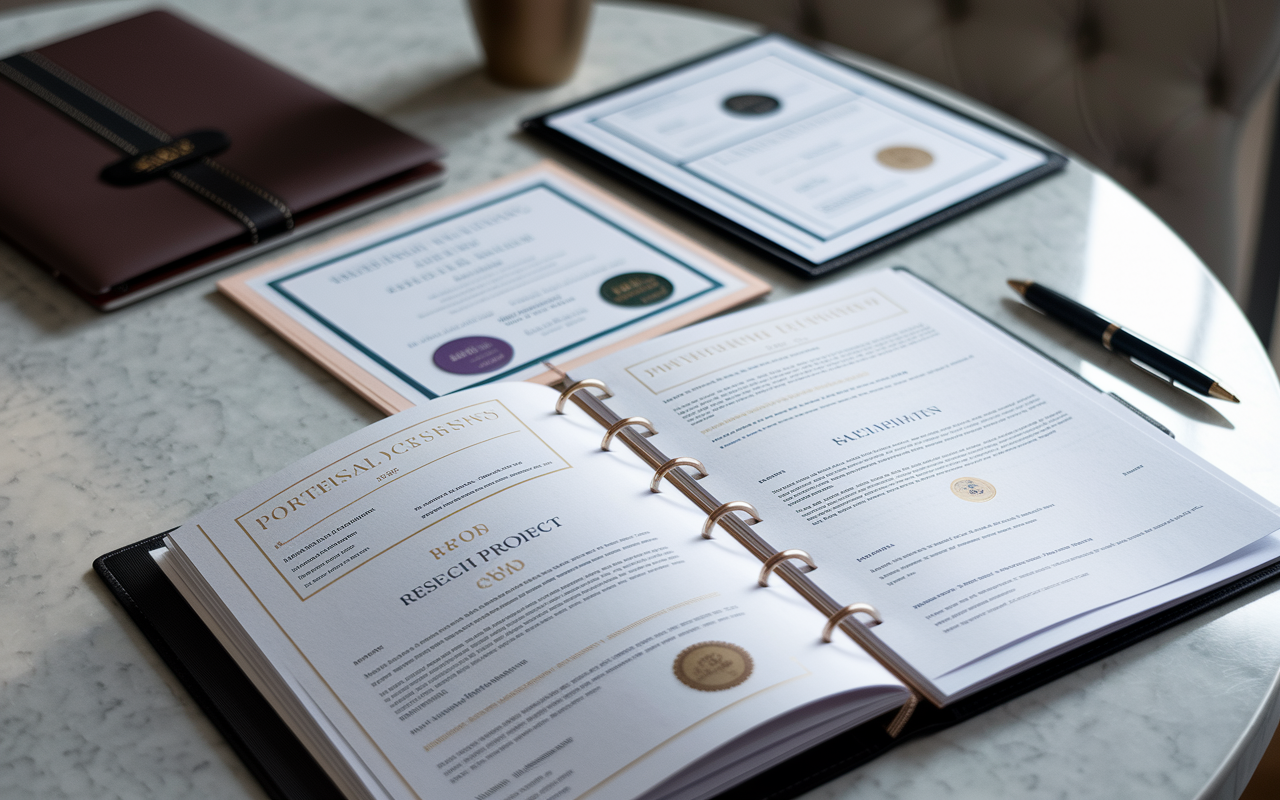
x=564, y=376
x=587, y=383
x=848, y=611
x=682, y=461
x=903, y=716
x=778, y=558
x=728, y=508
x=617, y=427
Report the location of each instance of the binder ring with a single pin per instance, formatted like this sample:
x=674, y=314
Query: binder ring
x=727, y=508
x=564, y=376
x=616, y=427
x=682, y=461
x=586, y=383
x=778, y=558
x=848, y=611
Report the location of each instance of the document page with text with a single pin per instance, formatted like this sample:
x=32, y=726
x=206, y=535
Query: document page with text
x=475, y=599
x=971, y=490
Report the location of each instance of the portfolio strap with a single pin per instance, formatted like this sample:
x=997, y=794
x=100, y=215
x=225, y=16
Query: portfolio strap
x=150, y=151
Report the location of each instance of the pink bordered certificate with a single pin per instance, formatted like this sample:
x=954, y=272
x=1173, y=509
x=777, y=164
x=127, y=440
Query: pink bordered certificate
x=486, y=286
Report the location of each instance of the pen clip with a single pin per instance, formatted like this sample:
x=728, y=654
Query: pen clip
x=1150, y=369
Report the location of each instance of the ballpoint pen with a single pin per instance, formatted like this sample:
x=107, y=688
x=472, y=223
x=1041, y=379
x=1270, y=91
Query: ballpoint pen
x=1163, y=365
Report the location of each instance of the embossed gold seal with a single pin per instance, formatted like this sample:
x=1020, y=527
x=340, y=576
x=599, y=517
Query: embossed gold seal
x=904, y=157
x=973, y=490
x=712, y=666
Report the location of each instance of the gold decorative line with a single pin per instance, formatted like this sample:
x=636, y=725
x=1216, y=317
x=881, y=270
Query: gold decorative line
x=442, y=737
x=657, y=614
x=394, y=545
x=680, y=733
x=342, y=459
x=499, y=403
x=385, y=484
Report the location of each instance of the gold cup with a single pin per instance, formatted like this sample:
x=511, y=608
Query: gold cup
x=531, y=43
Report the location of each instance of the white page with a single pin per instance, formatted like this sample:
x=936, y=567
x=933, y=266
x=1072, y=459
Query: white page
x=802, y=150
x=1064, y=636
x=969, y=489
x=489, y=287
x=474, y=596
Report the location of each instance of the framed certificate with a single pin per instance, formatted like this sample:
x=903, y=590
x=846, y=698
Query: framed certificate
x=806, y=158
x=488, y=285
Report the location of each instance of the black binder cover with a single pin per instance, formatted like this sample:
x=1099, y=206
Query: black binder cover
x=224, y=693
x=538, y=127
x=288, y=772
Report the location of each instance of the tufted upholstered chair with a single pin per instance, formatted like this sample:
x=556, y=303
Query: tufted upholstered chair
x=1171, y=97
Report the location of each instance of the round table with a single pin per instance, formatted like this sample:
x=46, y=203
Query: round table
x=121, y=425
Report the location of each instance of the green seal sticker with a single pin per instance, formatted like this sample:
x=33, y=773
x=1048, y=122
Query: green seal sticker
x=636, y=289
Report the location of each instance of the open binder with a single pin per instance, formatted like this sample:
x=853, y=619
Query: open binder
x=287, y=771
x=722, y=515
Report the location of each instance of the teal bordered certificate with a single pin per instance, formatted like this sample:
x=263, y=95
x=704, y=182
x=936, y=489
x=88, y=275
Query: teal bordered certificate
x=537, y=267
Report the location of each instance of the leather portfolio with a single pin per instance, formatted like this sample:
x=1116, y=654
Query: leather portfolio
x=149, y=151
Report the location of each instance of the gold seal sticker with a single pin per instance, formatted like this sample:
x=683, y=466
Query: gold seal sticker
x=904, y=158
x=973, y=490
x=712, y=666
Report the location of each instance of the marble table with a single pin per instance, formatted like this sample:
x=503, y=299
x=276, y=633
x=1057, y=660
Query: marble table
x=117, y=426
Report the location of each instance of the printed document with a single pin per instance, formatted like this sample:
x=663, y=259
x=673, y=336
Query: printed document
x=473, y=598
x=971, y=490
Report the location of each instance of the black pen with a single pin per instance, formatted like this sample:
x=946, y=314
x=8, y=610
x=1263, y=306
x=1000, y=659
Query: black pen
x=1163, y=365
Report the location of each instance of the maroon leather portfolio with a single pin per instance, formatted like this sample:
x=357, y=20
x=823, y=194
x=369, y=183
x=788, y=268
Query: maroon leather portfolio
x=70, y=111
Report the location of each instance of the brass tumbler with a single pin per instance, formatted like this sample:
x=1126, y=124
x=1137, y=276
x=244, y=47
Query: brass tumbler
x=531, y=43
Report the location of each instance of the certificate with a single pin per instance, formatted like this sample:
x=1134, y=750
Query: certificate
x=804, y=156
x=535, y=268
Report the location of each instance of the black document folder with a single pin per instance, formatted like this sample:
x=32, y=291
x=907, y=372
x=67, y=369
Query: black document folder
x=682, y=161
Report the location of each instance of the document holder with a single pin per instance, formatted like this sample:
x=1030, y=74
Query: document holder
x=277, y=759
x=275, y=756
x=693, y=177
x=148, y=152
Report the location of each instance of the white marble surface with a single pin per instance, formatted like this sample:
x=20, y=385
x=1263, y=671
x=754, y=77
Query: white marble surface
x=117, y=426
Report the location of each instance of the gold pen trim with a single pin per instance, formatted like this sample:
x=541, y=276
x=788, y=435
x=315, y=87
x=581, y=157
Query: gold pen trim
x=1019, y=286
x=1216, y=390
x=1108, y=333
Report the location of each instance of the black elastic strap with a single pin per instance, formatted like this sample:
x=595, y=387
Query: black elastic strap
x=259, y=211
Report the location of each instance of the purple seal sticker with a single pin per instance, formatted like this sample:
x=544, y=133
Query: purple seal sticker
x=473, y=355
